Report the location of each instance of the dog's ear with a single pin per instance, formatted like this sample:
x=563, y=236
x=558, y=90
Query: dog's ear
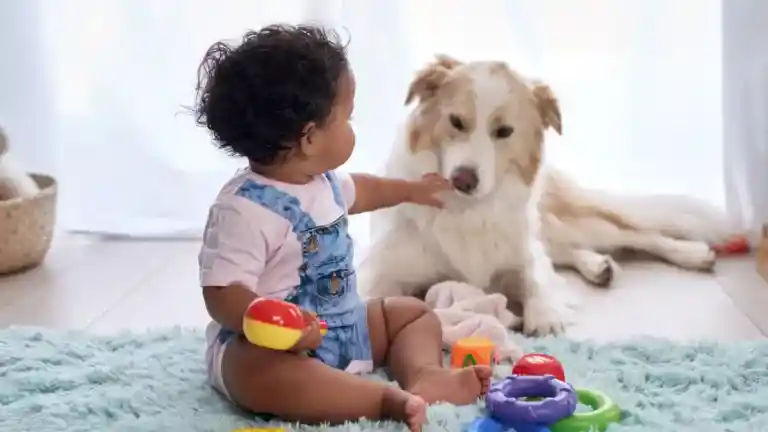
x=429, y=79
x=548, y=107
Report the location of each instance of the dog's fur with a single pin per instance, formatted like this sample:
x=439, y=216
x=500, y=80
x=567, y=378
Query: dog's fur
x=523, y=216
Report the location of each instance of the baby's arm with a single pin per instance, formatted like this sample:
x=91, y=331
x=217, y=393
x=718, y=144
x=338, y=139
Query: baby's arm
x=231, y=262
x=373, y=193
x=227, y=304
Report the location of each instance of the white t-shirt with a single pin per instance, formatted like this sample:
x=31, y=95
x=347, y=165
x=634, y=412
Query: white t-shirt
x=249, y=244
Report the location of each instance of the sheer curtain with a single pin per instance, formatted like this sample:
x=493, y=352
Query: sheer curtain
x=745, y=115
x=94, y=91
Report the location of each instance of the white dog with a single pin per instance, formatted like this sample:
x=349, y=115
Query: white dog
x=482, y=125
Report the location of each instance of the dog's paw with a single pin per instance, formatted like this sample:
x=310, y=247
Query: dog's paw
x=512, y=321
x=692, y=255
x=511, y=352
x=600, y=271
x=540, y=318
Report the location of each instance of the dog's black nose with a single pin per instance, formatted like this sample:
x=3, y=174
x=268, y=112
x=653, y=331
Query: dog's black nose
x=465, y=179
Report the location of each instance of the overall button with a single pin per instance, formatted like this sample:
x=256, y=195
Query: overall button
x=312, y=243
x=335, y=284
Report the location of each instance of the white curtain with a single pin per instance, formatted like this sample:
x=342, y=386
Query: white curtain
x=93, y=91
x=745, y=113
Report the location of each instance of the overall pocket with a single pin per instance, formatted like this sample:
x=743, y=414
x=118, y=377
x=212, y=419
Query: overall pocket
x=335, y=298
x=332, y=287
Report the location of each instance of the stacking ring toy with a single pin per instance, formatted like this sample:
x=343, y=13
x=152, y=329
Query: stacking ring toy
x=505, y=403
x=539, y=364
x=605, y=412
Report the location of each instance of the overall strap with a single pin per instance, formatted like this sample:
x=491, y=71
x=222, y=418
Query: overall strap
x=282, y=204
x=338, y=196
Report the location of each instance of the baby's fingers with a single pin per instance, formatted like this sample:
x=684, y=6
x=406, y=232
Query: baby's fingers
x=309, y=317
x=433, y=177
x=435, y=182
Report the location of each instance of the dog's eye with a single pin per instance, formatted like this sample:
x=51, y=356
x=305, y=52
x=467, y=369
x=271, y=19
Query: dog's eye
x=456, y=122
x=504, y=132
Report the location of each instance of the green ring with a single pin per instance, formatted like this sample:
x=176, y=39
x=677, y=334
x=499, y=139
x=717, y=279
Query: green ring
x=605, y=412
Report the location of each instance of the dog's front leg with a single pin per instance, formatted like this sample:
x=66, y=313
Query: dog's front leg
x=540, y=316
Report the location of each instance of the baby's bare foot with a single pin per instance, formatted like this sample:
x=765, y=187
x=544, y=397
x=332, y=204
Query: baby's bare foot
x=459, y=387
x=405, y=407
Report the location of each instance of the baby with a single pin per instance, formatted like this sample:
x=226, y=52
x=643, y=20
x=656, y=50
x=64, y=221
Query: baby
x=283, y=98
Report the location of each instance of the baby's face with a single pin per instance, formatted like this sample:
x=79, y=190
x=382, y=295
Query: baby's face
x=336, y=139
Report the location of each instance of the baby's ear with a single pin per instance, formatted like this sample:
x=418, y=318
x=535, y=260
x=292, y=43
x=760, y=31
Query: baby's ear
x=307, y=141
x=429, y=78
x=548, y=107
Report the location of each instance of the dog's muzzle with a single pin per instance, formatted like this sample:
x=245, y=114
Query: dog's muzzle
x=465, y=179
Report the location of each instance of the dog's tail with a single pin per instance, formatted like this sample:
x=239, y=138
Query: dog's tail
x=677, y=216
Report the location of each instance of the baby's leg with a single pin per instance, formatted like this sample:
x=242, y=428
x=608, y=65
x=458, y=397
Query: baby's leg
x=406, y=336
x=302, y=389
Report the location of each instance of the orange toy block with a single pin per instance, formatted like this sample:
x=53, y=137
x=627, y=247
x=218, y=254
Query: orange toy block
x=473, y=351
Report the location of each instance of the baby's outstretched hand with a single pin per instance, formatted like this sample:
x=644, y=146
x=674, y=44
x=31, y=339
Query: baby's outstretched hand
x=311, y=338
x=425, y=191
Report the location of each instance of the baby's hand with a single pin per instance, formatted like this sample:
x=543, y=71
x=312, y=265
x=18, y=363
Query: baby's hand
x=310, y=337
x=425, y=191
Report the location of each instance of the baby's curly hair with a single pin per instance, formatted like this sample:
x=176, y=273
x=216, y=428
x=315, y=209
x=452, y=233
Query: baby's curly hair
x=257, y=97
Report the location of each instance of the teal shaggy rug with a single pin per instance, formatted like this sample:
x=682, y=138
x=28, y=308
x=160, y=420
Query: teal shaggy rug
x=68, y=382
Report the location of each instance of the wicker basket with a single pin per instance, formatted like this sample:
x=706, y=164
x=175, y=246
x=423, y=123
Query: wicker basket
x=26, y=227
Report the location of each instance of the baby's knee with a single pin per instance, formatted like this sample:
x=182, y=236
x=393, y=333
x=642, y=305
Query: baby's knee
x=406, y=308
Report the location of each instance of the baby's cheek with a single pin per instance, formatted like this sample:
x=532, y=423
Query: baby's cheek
x=352, y=135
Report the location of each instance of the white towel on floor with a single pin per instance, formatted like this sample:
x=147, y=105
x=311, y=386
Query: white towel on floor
x=466, y=311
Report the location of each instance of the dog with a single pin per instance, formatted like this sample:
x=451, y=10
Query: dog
x=510, y=218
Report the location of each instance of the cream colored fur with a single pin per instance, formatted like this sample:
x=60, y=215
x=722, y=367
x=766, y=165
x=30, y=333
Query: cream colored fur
x=14, y=182
x=524, y=217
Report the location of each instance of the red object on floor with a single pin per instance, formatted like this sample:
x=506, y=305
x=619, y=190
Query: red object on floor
x=539, y=364
x=734, y=246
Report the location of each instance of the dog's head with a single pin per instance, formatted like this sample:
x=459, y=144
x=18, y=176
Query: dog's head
x=483, y=120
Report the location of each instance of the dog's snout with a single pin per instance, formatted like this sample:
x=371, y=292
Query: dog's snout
x=465, y=179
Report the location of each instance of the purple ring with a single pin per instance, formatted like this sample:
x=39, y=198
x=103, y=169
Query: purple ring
x=503, y=404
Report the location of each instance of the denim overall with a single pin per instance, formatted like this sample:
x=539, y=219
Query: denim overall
x=327, y=276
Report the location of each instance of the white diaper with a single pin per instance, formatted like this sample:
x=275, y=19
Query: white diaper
x=214, y=354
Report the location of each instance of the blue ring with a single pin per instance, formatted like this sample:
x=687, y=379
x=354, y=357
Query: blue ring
x=504, y=404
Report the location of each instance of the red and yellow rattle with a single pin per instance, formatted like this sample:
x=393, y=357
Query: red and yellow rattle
x=276, y=324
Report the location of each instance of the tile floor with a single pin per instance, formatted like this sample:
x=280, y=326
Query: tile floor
x=106, y=285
